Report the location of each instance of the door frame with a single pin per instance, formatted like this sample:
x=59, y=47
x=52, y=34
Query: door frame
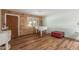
x=18, y=21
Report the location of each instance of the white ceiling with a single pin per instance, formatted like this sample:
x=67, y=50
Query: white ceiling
x=41, y=12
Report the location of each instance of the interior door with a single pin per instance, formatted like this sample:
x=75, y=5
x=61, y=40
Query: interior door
x=12, y=23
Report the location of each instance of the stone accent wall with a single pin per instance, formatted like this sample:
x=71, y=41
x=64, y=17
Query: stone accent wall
x=24, y=29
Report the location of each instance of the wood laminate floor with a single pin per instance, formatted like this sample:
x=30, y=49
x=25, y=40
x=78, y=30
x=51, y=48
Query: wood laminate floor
x=34, y=42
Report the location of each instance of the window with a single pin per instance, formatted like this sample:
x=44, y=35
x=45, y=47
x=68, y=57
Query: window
x=32, y=21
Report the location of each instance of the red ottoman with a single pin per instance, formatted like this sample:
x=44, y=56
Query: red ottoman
x=57, y=34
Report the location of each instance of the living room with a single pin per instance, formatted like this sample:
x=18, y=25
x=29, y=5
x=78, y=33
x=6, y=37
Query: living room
x=44, y=29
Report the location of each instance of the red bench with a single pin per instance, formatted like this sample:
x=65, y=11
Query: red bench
x=57, y=34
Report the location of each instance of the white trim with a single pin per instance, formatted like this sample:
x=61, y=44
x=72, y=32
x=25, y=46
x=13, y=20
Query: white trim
x=18, y=21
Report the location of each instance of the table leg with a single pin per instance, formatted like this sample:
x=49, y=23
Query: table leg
x=36, y=31
x=6, y=46
x=41, y=33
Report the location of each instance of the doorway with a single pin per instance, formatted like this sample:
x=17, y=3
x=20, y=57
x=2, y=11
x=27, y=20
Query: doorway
x=12, y=22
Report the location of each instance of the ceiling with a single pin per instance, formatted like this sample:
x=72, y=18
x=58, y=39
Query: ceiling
x=41, y=12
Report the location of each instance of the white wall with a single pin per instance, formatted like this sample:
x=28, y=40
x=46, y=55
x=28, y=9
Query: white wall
x=0, y=20
x=66, y=21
